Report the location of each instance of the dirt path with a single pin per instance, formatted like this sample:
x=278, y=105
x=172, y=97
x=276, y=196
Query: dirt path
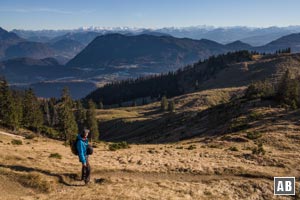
x=10, y=134
x=103, y=176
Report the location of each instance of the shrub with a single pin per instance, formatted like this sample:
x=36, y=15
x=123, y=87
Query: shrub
x=208, y=193
x=191, y=147
x=30, y=136
x=255, y=115
x=34, y=180
x=16, y=142
x=118, y=145
x=260, y=89
x=55, y=155
x=50, y=132
x=253, y=135
x=233, y=148
x=238, y=125
x=259, y=150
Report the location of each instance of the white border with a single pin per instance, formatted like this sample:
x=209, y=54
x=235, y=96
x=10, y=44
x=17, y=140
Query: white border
x=284, y=177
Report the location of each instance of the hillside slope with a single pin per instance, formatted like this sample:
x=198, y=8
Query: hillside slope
x=217, y=157
x=116, y=50
x=229, y=70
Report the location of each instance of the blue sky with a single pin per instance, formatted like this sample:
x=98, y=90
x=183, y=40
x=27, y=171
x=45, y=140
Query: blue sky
x=68, y=14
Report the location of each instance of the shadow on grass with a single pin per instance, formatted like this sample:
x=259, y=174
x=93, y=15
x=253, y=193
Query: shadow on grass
x=60, y=177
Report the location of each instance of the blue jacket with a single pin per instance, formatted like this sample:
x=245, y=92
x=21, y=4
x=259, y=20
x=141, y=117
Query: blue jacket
x=82, y=146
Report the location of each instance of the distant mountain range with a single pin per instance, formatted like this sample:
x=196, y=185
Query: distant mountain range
x=252, y=35
x=156, y=54
x=13, y=46
x=143, y=52
x=100, y=58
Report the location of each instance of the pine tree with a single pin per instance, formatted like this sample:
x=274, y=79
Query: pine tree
x=92, y=120
x=164, y=103
x=67, y=123
x=101, y=105
x=283, y=87
x=53, y=112
x=171, y=106
x=46, y=113
x=32, y=114
x=3, y=89
x=16, y=113
x=80, y=116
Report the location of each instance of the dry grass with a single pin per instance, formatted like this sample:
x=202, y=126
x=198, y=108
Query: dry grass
x=206, y=167
x=185, y=170
x=189, y=102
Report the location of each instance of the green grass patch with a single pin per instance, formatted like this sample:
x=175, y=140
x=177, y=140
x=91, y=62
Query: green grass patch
x=118, y=145
x=255, y=116
x=191, y=147
x=16, y=142
x=238, y=125
x=55, y=155
x=30, y=136
x=259, y=150
x=253, y=135
x=233, y=149
x=207, y=193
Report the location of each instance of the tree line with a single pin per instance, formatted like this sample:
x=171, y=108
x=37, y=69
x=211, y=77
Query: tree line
x=56, y=118
x=168, y=84
x=286, y=92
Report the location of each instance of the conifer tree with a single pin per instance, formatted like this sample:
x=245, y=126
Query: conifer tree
x=3, y=96
x=53, y=112
x=171, y=106
x=67, y=123
x=164, y=103
x=80, y=116
x=46, y=113
x=32, y=114
x=15, y=116
x=92, y=120
x=101, y=105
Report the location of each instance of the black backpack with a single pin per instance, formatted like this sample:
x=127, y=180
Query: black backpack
x=73, y=145
x=89, y=150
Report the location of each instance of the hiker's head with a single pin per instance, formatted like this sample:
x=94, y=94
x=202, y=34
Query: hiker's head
x=85, y=133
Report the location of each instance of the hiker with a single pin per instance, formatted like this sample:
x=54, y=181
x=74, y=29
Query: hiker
x=83, y=154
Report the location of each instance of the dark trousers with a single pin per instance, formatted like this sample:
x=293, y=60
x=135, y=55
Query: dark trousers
x=86, y=171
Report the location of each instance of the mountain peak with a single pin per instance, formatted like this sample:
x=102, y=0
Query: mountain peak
x=5, y=35
x=238, y=45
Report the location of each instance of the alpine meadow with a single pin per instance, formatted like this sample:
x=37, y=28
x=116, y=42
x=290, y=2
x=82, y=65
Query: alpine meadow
x=138, y=100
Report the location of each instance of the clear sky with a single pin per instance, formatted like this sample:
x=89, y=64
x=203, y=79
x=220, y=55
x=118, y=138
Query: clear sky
x=68, y=14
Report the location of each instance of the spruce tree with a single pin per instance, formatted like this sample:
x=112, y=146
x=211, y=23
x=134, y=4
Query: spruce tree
x=46, y=113
x=92, y=120
x=9, y=111
x=283, y=87
x=67, y=123
x=80, y=116
x=164, y=103
x=53, y=112
x=3, y=97
x=101, y=105
x=171, y=106
x=16, y=113
x=10, y=106
x=32, y=114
